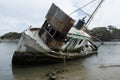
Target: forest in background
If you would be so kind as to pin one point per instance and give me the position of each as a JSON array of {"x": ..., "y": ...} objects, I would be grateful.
[
  {"x": 109, "y": 33},
  {"x": 11, "y": 36}
]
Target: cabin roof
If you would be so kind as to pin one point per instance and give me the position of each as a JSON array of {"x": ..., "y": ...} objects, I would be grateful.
[{"x": 78, "y": 34}]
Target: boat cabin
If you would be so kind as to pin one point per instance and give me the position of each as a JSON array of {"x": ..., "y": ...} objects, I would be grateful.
[
  {"x": 55, "y": 27},
  {"x": 58, "y": 32}
]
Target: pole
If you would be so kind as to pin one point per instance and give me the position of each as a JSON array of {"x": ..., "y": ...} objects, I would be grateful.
[{"x": 91, "y": 17}]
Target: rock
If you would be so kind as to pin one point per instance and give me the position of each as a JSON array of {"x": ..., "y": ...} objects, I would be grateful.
[
  {"x": 51, "y": 76},
  {"x": 60, "y": 71}
]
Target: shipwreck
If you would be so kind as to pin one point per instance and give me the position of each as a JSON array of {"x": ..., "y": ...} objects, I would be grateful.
[{"x": 57, "y": 40}]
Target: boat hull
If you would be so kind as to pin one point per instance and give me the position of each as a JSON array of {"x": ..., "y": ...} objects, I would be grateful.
[
  {"x": 30, "y": 58},
  {"x": 31, "y": 51}
]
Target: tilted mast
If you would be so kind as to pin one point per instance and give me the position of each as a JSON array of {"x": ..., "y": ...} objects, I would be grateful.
[
  {"x": 94, "y": 12},
  {"x": 81, "y": 23}
]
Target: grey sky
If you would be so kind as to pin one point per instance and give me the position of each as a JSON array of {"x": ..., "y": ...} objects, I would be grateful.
[{"x": 18, "y": 15}]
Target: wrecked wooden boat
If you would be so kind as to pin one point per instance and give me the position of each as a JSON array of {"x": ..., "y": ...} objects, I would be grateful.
[{"x": 57, "y": 40}]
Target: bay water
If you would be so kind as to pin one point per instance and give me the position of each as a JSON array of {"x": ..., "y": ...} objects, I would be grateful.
[{"x": 102, "y": 66}]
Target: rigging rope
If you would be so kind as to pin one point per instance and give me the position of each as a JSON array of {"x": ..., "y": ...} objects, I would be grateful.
[{"x": 82, "y": 7}]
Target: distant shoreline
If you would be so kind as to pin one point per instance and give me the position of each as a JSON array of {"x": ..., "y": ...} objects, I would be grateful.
[
  {"x": 9, "y": 40},
  {"x": 17, "y": 40}
]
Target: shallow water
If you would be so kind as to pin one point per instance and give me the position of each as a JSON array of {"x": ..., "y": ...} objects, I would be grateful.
[{"x": 103, "y": 66}]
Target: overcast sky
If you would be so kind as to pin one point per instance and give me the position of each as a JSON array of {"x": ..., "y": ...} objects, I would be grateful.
[{"x": 18, "y": 15}]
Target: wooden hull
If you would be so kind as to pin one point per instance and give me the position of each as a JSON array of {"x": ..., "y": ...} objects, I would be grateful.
[
  {"x": 33, "y": 57},
  {"x": 30, "y": 51},
  {"x": 30, "y": 58}
]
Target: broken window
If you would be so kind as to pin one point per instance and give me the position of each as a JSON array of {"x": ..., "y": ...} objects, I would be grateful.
[
  {"x": 52, "y": 32},
  {"x": 80, "y": 42}
]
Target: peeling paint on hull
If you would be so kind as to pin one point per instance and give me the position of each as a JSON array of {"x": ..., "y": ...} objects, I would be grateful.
[
  {"x": 30, "y": 58},
  {"x": 26, "y": 54}
]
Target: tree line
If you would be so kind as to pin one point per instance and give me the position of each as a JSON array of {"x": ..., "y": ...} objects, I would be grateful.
[
  {"x": 109, "y": 33},
  {"x": 11, "y": 35}
]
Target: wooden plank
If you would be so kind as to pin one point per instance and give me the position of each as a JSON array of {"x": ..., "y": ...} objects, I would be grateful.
[{"x": 59, "y": 20}]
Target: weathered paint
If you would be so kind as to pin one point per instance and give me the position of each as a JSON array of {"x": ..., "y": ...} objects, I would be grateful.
[{"x": 59, "y": 20}]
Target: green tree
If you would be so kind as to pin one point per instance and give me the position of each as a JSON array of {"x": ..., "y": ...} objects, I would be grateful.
[
  {"x": 11, "y": 35},
  {"x": 114, "y": 32},
  {"x": 101, "y": 33}
]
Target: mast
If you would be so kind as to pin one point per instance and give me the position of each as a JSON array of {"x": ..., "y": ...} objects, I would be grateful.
[{"x": 91, "y": 17}]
